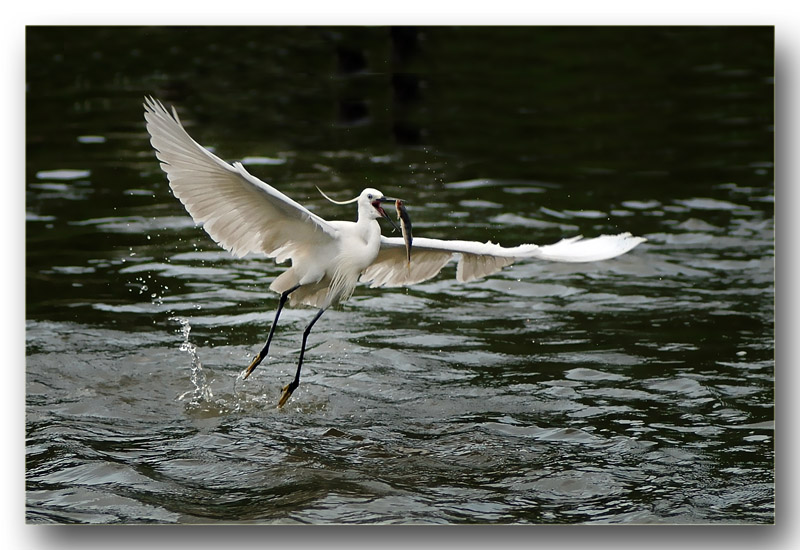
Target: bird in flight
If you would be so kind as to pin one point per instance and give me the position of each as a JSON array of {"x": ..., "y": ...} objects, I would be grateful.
[{"x": 328, "y": 258}]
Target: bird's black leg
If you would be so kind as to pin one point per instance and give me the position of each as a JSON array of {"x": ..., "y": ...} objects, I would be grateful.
[
  {"x": 289, "y": 388},
  {"x": 263, "y": 353}
]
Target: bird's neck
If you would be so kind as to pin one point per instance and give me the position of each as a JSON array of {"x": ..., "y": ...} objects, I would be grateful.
[{"x": 368, "y": 228}]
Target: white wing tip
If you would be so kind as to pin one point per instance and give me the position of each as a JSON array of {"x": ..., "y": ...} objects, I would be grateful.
[{"x": 604, "y": 247}]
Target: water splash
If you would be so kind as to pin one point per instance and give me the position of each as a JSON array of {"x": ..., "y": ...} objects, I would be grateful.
[{"x": 202, "y": 390}]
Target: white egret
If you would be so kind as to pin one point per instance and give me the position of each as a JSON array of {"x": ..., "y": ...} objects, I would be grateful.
[{"x": 328, "y": 258}]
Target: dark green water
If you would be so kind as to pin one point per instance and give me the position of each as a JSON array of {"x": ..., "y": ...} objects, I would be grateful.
[{"x": 637, "y": 390}]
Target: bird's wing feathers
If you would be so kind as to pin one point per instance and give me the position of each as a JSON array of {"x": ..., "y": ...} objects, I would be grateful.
[
  {"x": 238, "y": 210},
  {"x": 244, "y": 214},
  {"x": 429, "y": 256}
]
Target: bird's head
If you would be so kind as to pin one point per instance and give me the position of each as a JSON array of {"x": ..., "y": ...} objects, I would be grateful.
[
  {"x": 374, "y": 199},
  {"x": 370, "y": 203}
]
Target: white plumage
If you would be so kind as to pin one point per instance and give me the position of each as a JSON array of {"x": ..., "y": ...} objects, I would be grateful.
[
  {"x": 328, "y": 258},
  {"x": 476, "y": 260}
]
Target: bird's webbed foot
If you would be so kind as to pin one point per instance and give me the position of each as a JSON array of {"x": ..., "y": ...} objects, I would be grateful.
[
  {"x": 287, "y": 392},
  {"x": 253, "y": 364}
]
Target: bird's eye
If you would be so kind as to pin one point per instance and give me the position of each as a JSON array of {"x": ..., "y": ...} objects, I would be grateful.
[{"x": 369, "y": 196}]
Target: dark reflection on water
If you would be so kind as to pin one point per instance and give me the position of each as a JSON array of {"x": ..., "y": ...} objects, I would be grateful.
[{"x": 637, "y": 390}]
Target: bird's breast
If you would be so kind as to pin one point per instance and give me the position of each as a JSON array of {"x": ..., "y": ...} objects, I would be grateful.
[
  {"x": 365, "y": 244},
  {"x": 358, "y": 244}
]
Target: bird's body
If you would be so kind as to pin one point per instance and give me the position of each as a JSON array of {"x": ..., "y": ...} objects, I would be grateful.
[
  {"x": 328, "y": 258},
  {"x": 329, "y": 267}
]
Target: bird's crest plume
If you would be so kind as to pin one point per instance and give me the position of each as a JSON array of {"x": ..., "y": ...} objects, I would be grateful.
[{"x": 333, "y": 201}]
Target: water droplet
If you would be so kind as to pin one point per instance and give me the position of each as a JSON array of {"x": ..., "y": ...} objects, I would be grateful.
[{"x": 201, "y": 391}]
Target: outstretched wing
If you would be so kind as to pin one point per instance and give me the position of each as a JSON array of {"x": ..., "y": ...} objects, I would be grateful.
[
  {"x": 238, "y": 210},
  {"x": 476, "y": 260}
]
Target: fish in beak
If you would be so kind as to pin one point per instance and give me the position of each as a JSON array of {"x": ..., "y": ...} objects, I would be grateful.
[
  {"x": 376, "y": 204},
  {"x": 405, "y": 226}
]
